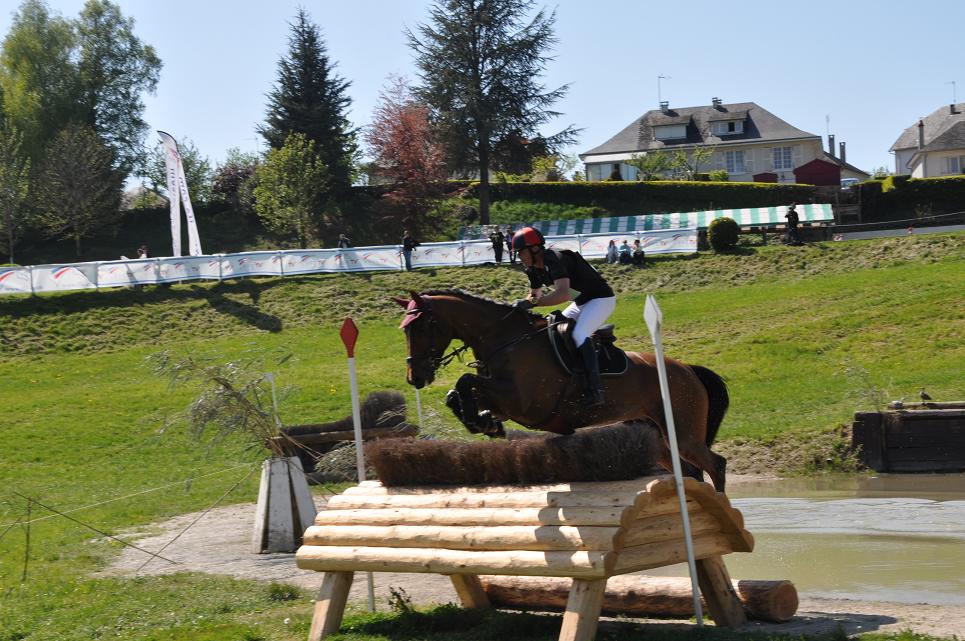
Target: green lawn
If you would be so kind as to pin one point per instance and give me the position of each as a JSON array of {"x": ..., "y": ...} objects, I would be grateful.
[{"x": 82, "y": 411}]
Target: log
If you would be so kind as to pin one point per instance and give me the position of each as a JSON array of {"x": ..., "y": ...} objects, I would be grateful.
[
  {"x": 640, "y": 596},
  {"x": 485, "y": 516}
]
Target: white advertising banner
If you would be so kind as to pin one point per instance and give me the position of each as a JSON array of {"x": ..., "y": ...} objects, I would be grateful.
[
  {"x": 447, "y": 254},
  {"x": 189, "y": 268},
  {"x": 14, "y": 280},
  {"x": 251, "y": 264},
  {"x": 667, "y": 241},
  {"x": 597, "y": 246},
  {"x": 194, "y": 240},
  {"x": 311, "y": 261},
  {"x": 62, "y": 278},
  {"x": 477, "y": 252},
  {"x": 118, "y": 273},
  {"x": 365, "y": 259},
  {"x": 171, "y": 160}
]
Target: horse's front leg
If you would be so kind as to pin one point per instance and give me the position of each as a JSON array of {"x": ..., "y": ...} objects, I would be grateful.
[{"x": 463, "y": 402}]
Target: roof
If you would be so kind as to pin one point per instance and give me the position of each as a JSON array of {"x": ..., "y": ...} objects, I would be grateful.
[
  {"x": 937, "y": 124},
  {"x": 760, "y": 125},
  {"x": 826, "y": 156}
]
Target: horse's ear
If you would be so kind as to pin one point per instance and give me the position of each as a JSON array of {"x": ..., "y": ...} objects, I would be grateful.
[
  {"x": 416, "y": 297},
  {"x": 401, "y": 302}
]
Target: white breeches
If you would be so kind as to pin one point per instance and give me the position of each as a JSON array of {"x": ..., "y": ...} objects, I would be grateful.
[{"x": 589, "y": 316}]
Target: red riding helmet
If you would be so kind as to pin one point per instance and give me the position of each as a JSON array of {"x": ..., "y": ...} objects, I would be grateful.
[{"x": 527, "y": 237}]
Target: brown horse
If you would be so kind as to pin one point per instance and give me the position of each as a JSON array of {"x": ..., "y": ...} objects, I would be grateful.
[{"x": 520, "y": 379}]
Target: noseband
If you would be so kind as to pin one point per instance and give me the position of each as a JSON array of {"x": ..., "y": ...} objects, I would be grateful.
[{"x": 434, "y": 360}]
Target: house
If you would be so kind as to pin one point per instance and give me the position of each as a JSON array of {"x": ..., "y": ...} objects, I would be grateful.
[
  {"x": 934, "y": 146},
  {"x": 749, "y": 141}
]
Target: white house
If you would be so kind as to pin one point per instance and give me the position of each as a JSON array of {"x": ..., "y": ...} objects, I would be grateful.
[
  {"x": 934, "y": 146},
  {"x": 750, "y": 141}
]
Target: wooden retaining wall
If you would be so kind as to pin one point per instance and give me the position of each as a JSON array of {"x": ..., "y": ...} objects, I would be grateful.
[{"x": 912, "y": 440}]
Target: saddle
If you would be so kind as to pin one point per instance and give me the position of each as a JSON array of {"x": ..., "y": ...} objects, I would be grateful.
[{"x": 613, "y": 360}]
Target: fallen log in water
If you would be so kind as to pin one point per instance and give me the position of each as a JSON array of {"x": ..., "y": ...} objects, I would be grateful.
[{"x": 640, "y": 596}]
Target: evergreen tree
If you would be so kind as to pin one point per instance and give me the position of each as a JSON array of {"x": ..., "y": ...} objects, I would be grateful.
[
  {"x": 310, "y": 99},
  {"x": 479, "y": 63}
]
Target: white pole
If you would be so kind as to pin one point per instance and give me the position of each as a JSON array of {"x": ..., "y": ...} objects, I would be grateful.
[
  {"x": 654, "y": 318},
  {"x": 418, "y": 408}
]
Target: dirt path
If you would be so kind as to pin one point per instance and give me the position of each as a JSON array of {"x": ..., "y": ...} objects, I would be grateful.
[{"x": 220, "y": 542}]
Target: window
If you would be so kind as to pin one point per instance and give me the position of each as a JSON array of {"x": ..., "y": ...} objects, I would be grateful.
[
  {"x": 725, "y": 127},
  {"x": 783, "y": 158},
  {"x": 670, "y": 131},
  {"x": 734, "y": 161},
  {"x": 955, "y": 164}
]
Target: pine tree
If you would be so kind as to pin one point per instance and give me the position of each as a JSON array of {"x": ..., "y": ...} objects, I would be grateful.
[
  {"x": 479, "y": 63},
  {"x": 309, "y": 98}
]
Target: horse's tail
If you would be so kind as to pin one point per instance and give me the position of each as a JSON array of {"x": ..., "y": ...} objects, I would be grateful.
[{"x": 718, "y": 397}]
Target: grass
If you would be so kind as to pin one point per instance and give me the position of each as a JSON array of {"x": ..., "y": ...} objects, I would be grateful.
[{"x": 805, "y": 336}]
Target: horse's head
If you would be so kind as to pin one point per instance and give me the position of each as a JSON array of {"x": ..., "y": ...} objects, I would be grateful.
[{"x": 427, "y": 337}]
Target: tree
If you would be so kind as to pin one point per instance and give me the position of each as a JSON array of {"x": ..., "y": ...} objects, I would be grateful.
[
  {"x": 289, "y": 183},
  {"x": 233, "y": 182},
  {"x": 14, "y": 185},
  {"x": 691, "y": 163},
  {"x": 652, "y": 165},
  {"x": 114, "y": 69},
  {"x": 37, "y": 75},
  {"x": 79, "y": 190},
  {"x": 401, "y": 143},
  {"x": 197, "y": 172},
  {"x": 310, "y": 99},
  {"x": 479, "y": 63}
]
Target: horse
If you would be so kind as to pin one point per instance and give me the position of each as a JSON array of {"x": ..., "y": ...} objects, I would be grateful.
[{"x": 519, "y": 378}]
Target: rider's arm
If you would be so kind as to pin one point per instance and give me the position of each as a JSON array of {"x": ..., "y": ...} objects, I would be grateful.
[{"x": 559, "y": 294}]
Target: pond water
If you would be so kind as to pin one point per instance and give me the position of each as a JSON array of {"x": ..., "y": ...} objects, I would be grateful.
[{"x": 892, "y": 537}]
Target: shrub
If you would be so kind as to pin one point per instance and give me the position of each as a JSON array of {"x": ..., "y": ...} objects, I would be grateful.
[
  {"x": 722, "y": 233},
  {"x": 719, "y": 176}
]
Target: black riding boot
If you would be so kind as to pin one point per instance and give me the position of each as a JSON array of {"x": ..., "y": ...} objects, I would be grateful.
[{"x": 591, "y": 369}]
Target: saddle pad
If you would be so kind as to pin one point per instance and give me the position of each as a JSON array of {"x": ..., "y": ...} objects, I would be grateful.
[{"x": 613, "y": 360}]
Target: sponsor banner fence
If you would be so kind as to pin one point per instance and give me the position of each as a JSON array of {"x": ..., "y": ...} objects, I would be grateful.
[{"x": 152, "y": 271}]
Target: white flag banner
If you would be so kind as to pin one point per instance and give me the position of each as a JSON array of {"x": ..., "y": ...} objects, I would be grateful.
[{"x": 178, "y": 192}]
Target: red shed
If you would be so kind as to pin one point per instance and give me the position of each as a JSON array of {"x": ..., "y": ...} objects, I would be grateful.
[
  {"x": 765, "y": 177},
  {"x": 818, "y": 172}
]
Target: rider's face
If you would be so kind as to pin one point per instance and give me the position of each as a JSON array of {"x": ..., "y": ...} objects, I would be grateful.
[{"x": 528, "y": 256}]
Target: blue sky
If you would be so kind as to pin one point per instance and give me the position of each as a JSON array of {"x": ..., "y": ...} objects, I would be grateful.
[{"x": 873, "y": 67}]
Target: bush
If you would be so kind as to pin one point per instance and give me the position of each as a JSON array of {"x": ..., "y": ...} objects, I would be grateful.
[
  {"x": 722, "y": 233},
  {"x": 719, "y": 176}
]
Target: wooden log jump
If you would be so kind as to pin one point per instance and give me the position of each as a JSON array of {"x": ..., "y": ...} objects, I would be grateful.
[
  {"x": 586, "y": 531},
  {"x": 640, "y": 596}
]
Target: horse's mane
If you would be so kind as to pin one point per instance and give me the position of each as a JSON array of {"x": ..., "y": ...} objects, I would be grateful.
[{"x": 464, "y": 295}]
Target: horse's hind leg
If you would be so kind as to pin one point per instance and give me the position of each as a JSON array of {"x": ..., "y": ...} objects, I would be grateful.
[{"x": 714, "y": 464}]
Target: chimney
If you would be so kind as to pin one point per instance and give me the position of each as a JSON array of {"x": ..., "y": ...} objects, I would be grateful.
[
  {"x": 831, "y": 145},
  {"x": 842, "y": 155},
  {"x": 717, "y": 103},
  {"x": 664, "y": 106},
  {"x": 921, "y": 134},
  {"x": 952, "y": 110}
]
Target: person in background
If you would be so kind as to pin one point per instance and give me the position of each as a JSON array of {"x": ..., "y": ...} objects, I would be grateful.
[
  {"x": 408, "y": 244},
  {"x": 792, "y": 221},
  {"x": 498, "y": 241},
  {"x": 343, "y": 241},
  {"x": 612, "y": 255},
  {"x": 626, "y": 256},
  {"x": 509, "y": 245},
  {"x": 639, "y": 257},
  {"x": 142, "y": 251}
]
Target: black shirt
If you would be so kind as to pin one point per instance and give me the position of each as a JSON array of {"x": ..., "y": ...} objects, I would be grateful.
[
  {"x": 792, "y": 218},
  {"x": 569, "y": 264}
]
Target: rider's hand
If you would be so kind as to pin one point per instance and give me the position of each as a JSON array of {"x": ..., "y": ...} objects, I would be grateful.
[{"x": 523, "y": 304}]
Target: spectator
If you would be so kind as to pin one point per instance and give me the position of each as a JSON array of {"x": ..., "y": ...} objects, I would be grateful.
[
  {"x": 639, "y": 258},
  {"x": 611, "y": 252},
  {"x": 498, "y": 240},
  {"x": 142, "y": 251},
  {"x": 509, "y": 245},
  {"x": 408, "y": 244},
  {"x": 792, "y": 221},
  {"x": 626, "y": 255},
  {"x": 343, "y": 241}
]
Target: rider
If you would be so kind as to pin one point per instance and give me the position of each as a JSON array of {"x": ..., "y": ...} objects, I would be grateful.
[{"x": 572, "y": 278}]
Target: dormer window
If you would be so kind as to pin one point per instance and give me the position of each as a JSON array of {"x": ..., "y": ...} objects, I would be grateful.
[
  {"x": 668, "y": 132},
  {"x": 727, "y": 127}
]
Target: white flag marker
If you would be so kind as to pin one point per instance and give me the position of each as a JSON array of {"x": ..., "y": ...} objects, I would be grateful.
[{"x": 654, "y": 318}]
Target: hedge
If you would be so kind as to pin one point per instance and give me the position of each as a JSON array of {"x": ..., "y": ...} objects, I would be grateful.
[
  {"x": 901, "y": 197},
  {"x": 628, "y": 198}
]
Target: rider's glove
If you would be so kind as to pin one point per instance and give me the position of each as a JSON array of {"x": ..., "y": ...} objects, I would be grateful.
[{"x": 523, "y": 304}]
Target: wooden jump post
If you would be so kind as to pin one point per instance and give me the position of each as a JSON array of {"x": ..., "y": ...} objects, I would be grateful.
[{"x": 588, "y": 532}]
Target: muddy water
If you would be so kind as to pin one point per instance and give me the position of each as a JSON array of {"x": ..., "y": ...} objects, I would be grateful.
[{"x": 891, "y": 537}]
